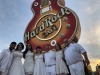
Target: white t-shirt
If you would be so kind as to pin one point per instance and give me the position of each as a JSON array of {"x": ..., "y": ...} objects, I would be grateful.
[
  {"x": 50, "y": 58},
  {"x": 73, "y": 53}
]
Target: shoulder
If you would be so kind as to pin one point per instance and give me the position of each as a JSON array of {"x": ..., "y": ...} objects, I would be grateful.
[
  {"x": 35, "y": 54},
  {"x": 13, "y": 51},
  {"x": 74, "y": 44},
  {"x": 33, "y": 51},
  {"x": 78, "y": 45},
  {"x": 52, "y": 51},
  {"x": 63, "y": 48},
  {"x": 43, "y": 54},
  {"x": 5, "y": 50}
]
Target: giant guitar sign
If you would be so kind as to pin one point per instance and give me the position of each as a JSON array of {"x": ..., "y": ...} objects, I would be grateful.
[{"x": 51, "y": 24}]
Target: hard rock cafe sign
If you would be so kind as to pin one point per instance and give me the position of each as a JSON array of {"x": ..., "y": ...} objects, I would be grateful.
[{"x": 51, "y": 24}]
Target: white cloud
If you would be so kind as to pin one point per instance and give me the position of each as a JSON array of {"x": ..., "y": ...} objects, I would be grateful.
[
  {"x": 92, "y": 8},
  {"x": 89, "y": 10}
]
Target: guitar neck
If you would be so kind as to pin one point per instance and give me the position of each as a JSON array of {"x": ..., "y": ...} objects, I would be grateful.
[{"x": 44, "y": 3}]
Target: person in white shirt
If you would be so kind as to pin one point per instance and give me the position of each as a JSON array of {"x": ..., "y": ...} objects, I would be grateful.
[
  {"x": 50, "y": 61},
  {"x": 6, "y": 57},
  {"x": 74, "y": 58}
]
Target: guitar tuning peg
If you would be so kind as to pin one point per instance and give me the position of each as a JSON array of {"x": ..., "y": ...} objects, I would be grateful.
[
  {"x": 67, "y": 26},
  {"x": 65, "y": 19},
  {"x": 62, "y": 35},
  {"x": 53, "y": 42},
  {"x": 36, "y": 4}
]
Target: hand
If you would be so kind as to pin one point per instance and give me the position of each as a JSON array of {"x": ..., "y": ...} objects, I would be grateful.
[{"x": 87, "y": 62}]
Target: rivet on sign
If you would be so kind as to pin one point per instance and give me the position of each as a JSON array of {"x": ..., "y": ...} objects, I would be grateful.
[
  {"x": 62, "y": 35},
  {"x": 67, "y": 26},
  {"x": 65, "y": 19},
  {"x": 36, "y": 4},
  {"x": 53, "y": 42}
]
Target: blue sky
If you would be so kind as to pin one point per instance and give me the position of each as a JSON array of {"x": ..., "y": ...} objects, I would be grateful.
[{"x": 16, "y": 14}]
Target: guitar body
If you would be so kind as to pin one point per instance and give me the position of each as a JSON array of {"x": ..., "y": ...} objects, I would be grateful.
[{"x": 51, "y": 24}]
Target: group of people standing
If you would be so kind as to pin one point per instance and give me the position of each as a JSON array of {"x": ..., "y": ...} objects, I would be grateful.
[{"x": 48, "y": 63}]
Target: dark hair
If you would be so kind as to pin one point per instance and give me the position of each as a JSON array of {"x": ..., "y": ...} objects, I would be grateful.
[
  {"x": 26, "y": 50},
  {"x": 38, "y": 48},
  {"x": 59, "y": 46},
  {"x": 13, "y": 43},
  {"x": 18, "y": 45}
]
